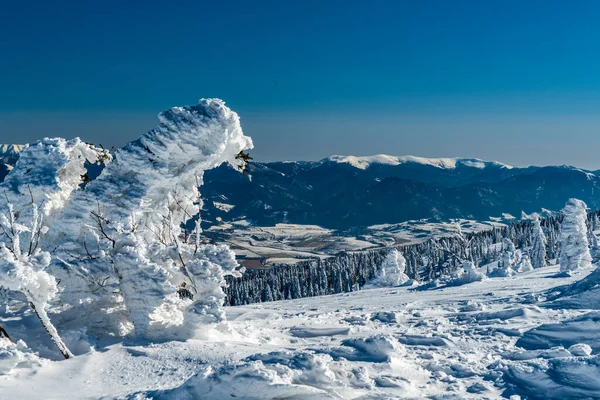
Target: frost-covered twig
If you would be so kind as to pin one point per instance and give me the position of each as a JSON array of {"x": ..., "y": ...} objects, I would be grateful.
[{"x": 101, "y": 221}]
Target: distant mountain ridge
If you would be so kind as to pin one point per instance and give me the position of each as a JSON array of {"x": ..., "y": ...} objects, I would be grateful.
[
  {"x": 364, "y": 162},
  {"x": 346, "y": 191},
  {"x": 343, "y": 192}
]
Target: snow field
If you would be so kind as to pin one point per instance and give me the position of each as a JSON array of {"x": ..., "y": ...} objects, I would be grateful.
[{"x": 471, "y": 341}]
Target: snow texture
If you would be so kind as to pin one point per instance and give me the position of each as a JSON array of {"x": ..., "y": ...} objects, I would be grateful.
[{"x": 381, "y": 343}]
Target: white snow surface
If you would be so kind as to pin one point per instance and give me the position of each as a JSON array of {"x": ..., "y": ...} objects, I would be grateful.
[
  {"x": 364, "y": 162},
  {"x": 488, "y": 339}
]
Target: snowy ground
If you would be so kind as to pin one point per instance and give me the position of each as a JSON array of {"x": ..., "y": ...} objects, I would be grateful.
[{"x": 454, "y": 342}]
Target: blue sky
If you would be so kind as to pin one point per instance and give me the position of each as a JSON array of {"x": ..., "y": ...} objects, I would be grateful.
[{"x": 515, "y": 81}]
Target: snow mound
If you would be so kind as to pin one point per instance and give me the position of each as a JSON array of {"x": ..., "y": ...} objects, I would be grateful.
[
  {"x": 386, "y": 317},
  {"x": 581, "y": 330},
  {"x": 15, "y": 354},
  {"x": 377, "y": 349},
  {"x": 10, "y": 356},
  {"x": 416, "y": 340},
  {"x": 278, "y": 375},
  {"x": 582, "y": 294},
  {"x": 558, "y": 378},
  {"x": 519, "y": 312},
  {"x": 467, "y": 274}
]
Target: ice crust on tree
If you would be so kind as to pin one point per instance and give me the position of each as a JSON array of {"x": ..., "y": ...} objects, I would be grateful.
[
  {"x": 574, "y": 246},
  {"x": 122, "y": 247}
]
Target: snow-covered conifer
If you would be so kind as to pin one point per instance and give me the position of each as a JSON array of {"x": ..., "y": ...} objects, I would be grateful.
[
  {"x": 537, "y": 253},
  {"x": 574, "y": 246},
  {"x": 509, "y": 259},
  {"x": 391, "y": 272}
]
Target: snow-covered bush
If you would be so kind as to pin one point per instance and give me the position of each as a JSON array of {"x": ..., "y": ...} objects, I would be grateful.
[
  {"x": 524, "y": 264},
  {"x": 34, "y": 191},
  {"x": 467, "y": 274},
  {"x": 391, "y": 271},
  {"x": 510, "y": 258},
  {"x": 574, "y": 247},
  {"x": 23, "y": 267}
]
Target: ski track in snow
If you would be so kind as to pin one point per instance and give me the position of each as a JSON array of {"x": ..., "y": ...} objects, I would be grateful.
[{"x": 454, "y": 342}]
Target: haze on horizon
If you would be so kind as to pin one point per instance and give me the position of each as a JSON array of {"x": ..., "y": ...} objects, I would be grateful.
[{"x": 509, "y": 81}]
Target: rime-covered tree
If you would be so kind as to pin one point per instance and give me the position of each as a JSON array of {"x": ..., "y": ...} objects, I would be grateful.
[
  {"x": 574, "y": 246},
  {"x": 537, "y": 252},
  {"x": 34, "y": 192},
  {"x": 524, "y": 264},
  {"x": 509, "y": 259},
  {"x": 391, "y": 272},
  {"x": 23, "y": 266}
]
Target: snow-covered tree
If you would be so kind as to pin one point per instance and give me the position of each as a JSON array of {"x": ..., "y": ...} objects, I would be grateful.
[
  {"x": 467, "y": 274},
  {"x": 391, "y": 271},
  {"x": 23, "y": 266},
  {"x": 574, "y": 247},
  {"x": 129, "y": 228},
  {"x": 509, "y": 259},
  {"x": 537, "y": 252},
  {"x": 34, "y": 192},
  {"x": 524, "y": 264},
  {"x": 120, "y": 244}
]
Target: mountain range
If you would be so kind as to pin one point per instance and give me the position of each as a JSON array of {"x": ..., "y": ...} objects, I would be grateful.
[{"x": 342, "y": 192}]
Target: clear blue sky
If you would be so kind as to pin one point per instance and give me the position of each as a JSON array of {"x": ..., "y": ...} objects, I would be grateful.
[{"x": 517, "y": 81}]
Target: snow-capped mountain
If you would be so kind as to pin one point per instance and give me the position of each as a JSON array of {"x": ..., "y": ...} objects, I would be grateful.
[
  {"x": 364, "y": 162},
  {"x": 342, "y": 192},
  {"x": 348, "y": 191}
]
